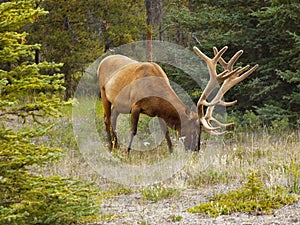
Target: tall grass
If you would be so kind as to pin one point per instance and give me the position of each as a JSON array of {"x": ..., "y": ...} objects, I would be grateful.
[{"x": 275, "y": 157}]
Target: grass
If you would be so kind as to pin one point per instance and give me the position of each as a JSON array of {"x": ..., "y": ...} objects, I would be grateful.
[
  {"x": 158, "y": 192},
  {"x": 176, "y": 218},
  {"x": 274, "y": 158}
]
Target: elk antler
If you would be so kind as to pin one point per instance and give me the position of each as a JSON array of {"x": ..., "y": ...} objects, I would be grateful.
[
  {"x": 213, "y": 81},
  {"x": 237, "y": 75},
  {"x": 229, "y": 77}
]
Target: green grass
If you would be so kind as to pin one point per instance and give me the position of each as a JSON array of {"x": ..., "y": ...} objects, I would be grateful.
[{"x": 176, "y": 218}]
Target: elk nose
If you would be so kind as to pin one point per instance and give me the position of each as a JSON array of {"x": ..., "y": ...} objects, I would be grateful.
[{"x": 191, "y": 145}]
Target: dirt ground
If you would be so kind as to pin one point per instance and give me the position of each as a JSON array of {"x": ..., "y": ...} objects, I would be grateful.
[{"x": 133, "y": 209}]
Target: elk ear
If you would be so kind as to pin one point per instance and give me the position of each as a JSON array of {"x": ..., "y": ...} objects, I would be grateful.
[{"x": 193, "y": 116}]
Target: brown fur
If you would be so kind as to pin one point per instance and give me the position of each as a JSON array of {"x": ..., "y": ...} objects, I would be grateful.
[{"x": 141, "y": 87}]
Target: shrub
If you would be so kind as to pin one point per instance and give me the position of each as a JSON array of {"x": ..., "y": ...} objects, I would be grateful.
[
  {"x": 158, "y": 192},
  {"x": 252, "y": 197}
]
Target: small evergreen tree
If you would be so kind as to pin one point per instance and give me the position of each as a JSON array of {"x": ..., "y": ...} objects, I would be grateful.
[{"x": 29, "y": 96}]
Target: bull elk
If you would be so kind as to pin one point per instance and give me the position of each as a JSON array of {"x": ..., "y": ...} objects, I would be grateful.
[{"x": 133, "y": 87}]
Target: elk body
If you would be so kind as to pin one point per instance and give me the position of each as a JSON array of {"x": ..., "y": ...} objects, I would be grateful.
[
  {"x": 133, "y": 87},
  {"x": 142, "y": 87}
]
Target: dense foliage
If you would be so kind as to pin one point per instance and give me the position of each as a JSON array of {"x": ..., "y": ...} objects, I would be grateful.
[{"x": 30, "y": 95}]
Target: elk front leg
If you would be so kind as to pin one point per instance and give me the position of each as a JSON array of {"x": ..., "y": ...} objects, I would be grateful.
[
  {"x": 165, "y": 129},
  {"x": 135, "y": 115},
  {"x": 107, "y": 118},
  {"x": 114, "y": 117}
]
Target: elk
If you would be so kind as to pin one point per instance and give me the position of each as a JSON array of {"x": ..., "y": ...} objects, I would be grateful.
[{"x": 134, "y": 87}]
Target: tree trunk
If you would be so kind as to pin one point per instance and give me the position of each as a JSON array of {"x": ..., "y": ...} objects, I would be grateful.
[
  {"x": 149, "y": 44},
  {"x": 154, "y": 14}
]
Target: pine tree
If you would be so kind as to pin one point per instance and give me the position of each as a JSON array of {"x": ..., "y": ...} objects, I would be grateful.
[
  {"x": 280, "y": 60},
  {"x": 29, "y": 98}
]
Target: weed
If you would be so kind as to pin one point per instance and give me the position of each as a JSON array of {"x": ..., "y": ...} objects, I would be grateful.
[
  {"x": 108, "y": 217},
  {"x": 293, "y": 172},
  {"x": 143, "y": 223},
  {"x": 210, "y": 177},
  {"x": 176, "y": 218},
  {"x": 117, "y": 189}
]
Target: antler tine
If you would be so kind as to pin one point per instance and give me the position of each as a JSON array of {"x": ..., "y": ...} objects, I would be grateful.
[
  {"x": 232, "y": 61},
  {"x": 216, "y": 58},
  {"x": 226, "y": 74},
  {"x": 219, "y": 54},
  {"x": 233, "y": 80},
  {"x": 245, "y": 75},
  {"x": 222, "y": 61},
  {"x": 209, "y": 118},
  {"x": 224, "y": 125}
]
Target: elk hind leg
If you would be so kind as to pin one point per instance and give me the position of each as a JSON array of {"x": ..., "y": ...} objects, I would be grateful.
[
  {"x": 107, "y": 118},
  {"x": 199, "y": 139}
]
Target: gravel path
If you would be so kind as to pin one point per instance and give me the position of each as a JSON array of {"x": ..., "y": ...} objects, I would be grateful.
[{"x": 133, "y": 209}]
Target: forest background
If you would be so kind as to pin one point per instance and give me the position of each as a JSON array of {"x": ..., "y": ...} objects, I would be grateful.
[{"x": 76, "y": 33}]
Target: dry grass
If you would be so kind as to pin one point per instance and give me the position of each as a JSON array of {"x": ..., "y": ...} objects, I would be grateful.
[{"x": 275, "y": 157}]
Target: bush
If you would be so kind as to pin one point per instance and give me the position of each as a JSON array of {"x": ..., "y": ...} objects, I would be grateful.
[{"x": 252, "y": 197}]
